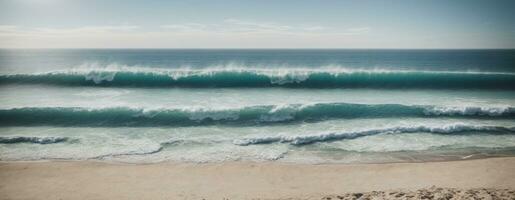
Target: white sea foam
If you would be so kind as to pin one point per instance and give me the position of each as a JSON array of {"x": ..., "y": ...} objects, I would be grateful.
[
  {"x": 99, "y": 73},
  {"x": 469, "y": 110},
  {"x": 99, "y": 77},
  {"x": 307, "y": 139},
  {"x": 33, "y": 140},
  {"x": 203, "y": 114}
]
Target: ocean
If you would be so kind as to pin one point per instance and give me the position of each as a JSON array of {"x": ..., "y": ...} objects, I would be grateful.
[{"x": 258, "y": 105}]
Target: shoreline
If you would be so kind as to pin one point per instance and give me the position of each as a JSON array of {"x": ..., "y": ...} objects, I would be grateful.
[
  {"x": 242, "y": 180},
  {"x": 268, "y": 162}
]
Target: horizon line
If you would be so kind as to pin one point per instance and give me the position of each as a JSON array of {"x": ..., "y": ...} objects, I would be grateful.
[{"x": 235, "y": 48}]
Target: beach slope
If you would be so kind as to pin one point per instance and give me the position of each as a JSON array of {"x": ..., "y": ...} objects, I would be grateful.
[{"x": 240, "y": 180}]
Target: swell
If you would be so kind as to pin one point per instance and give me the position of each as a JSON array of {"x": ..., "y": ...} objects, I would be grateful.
[
  {"x": 33, "y": 140},
  {"x": 294, "y": 78},
  {"x": 328, "y": 137},
  {"x": 124, "y": 116}
]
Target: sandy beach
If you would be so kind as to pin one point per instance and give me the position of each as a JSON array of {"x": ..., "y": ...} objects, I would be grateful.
[
  {"x": 238, "y": 180},
  {"x": 258, "y": 100}
]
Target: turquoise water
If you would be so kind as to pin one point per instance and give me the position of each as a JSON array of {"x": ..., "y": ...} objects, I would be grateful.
[{"x": 305, "y": 106}]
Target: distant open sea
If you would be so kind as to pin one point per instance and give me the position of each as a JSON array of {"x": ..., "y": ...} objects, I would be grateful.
[{"x": 300, "y": 106}]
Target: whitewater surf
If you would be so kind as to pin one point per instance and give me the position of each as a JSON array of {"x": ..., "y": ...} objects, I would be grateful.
[{"x": 300, "y": 106}]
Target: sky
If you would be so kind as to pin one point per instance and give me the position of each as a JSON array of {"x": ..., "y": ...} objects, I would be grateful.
[{"x": 416, "y": 24}]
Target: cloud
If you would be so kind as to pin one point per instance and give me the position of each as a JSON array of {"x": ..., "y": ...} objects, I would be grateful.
[
  {"x": 315, "y": 28},
  {"x": 358, "y": 31},
  {"x": 225, "y": 33},
  {"x": 85, "y": 30},
  {"x": 186, "y": 27},
  {"x": 235, "y": 26},
  {"x": 249, "y": 26},
  {"x": 9, "y": 30}
]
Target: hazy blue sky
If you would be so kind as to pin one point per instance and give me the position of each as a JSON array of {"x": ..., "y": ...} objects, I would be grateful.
[{"x": 257, "y": 24}]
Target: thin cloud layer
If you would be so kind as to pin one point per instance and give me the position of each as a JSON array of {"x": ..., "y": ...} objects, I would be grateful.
[
  {"x": 256, "y": 24},
  {"x": 242, "y": 26},
  {"x": 234, "y": 32}
]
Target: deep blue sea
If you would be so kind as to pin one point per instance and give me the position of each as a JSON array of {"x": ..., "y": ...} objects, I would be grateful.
[{"x": 216, "y": 105}]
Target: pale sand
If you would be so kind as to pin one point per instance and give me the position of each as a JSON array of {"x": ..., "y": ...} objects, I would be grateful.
[{"x": 97, "y": 180}]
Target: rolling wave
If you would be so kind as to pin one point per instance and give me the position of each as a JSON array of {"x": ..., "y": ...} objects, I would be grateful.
[
  {"x": 124, "y": 116},
  {"x": 327, "y": 137},
  {"x": 285, "y": 77},
  {"x": 33, "y": 140}
]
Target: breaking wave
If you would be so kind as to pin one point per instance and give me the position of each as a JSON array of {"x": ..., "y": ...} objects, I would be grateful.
[
  {"x": 327, "y": 137},
  {"x": 33, "y": 140},
  {"x": 125, "y": 116},
  {"x": 264, "y": 77}
]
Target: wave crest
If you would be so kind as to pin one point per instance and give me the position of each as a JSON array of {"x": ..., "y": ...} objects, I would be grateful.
[
  {"x": 469, "y": 111},
  {"x": 265, "y": 77},
  {"x": 33, "y": 140},
  {"x": 327, "y": 137},
  {"x": 124, "y": 116}
]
